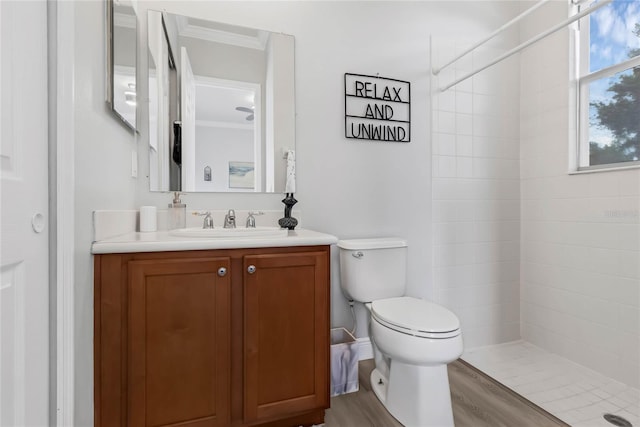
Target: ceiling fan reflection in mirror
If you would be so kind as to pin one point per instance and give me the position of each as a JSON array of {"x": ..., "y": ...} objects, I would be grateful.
[{"x": 247, "y": 110}]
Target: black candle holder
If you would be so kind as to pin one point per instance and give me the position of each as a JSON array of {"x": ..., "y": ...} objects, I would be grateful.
[{"x": 288, "y": 221}]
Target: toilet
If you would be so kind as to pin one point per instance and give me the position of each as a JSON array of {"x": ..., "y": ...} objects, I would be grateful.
[{"x": 413, "y": 339}]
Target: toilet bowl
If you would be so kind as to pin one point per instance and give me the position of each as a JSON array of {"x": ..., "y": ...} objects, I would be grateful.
[
  {"x": 416, "y": 331},
  {"x": 413, "y": 339},
  {"x": 417, "y": 386}
]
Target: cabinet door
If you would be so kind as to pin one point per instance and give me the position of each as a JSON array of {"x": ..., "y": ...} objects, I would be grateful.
[
  {"x": 286, "y": 330},
  {"x": 178, "y": 352}
]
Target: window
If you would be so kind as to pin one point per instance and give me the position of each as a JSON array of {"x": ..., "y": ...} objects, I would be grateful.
[{"x": 609, "y": 86}]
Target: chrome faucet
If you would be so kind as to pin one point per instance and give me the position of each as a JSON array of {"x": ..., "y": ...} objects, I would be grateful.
[
  {"x": 208, "y": 220},
  {"x": 230, "y": 219},
  {"x": 251, "y": 220}
]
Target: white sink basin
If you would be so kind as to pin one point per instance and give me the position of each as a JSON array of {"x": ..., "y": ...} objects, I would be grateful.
[{"x": 231, "y": 233}]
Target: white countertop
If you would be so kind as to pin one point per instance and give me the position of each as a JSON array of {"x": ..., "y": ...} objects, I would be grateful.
[{"x": 161, "y": 241}]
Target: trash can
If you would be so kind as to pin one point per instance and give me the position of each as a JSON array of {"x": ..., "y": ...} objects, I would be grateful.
[{"x": 344, "y": 362}]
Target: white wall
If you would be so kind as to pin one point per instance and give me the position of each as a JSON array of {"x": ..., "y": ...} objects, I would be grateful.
[
  {"x": 216, "y": 147},
  {"x": 580, "y": 267},
  {"x": 346, "y": 188},
  {"x": 103, "y": 180},
  {"x": 476, "y": 191}
]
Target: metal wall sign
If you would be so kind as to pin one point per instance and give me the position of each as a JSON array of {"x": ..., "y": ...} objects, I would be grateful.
[{"x": 377, "y": 108}]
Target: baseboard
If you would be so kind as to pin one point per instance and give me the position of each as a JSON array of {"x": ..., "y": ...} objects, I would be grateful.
[{"x": 365, "y": 349}]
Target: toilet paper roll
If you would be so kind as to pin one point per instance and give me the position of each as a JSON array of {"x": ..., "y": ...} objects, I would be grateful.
[{"x": 148, "y": 218}]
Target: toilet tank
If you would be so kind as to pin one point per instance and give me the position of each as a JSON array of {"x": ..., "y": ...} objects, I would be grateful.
[{"x": 372, "y": 269}]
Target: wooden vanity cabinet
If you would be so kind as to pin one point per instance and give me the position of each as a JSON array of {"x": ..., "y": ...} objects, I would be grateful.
[
  {"x": 285, "y": 334},
  {"x": 212, "y": 338},
  {"x": 178, "y": 342}
]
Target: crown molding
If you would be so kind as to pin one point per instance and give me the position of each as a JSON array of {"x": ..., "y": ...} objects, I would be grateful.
[{"x": 198, "y": 32}]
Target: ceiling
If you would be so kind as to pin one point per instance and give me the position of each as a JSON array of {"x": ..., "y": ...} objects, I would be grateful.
[{"x": 217, "y": 105}]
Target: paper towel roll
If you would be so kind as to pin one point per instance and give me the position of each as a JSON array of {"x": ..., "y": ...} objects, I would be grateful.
[{"x": 148, "y": 218}]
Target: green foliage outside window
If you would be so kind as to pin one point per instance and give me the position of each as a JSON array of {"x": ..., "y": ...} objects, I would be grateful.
[{"x": 621, "y": 116}]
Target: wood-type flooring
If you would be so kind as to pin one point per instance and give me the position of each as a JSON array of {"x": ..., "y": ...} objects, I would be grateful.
[{"x": 477, "y": 400}]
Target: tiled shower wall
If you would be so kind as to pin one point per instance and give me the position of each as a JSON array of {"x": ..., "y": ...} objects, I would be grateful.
[
  {"x": 580, "y": 267},
  {"x": 476, "y": 195}
]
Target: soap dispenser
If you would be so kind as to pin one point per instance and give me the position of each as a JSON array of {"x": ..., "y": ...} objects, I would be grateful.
[{"x": 177, "y": 213}]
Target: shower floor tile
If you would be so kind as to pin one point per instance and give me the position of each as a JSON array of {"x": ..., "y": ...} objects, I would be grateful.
[{"x": 573, "y": 393}]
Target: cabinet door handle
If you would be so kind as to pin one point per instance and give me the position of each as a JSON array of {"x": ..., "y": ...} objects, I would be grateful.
[
  {"x": 222, "y": 272},
  {"x": 251, "y": 269}
]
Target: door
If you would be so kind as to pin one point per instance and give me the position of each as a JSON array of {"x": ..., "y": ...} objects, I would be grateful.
[
  {"x": 286, "y": 341},
  {"x": 24, "y": 270},
  {"x": 179, "y": 342},
  {"x": 188, "y": 118}
]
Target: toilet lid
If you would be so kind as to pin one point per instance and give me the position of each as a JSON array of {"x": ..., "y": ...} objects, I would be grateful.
[{"x": 416, "y": 317}]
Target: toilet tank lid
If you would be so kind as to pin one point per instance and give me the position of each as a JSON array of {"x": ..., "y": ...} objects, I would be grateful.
[{"x": 376, "y": 243}]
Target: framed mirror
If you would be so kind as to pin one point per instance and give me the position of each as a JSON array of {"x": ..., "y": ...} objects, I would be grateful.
[
  {"x": 221, "y": 106},
  {"x": 121, "y": 60}
]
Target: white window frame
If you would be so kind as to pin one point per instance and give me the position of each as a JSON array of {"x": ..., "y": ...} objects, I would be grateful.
[{"x": 583, "y": 78}]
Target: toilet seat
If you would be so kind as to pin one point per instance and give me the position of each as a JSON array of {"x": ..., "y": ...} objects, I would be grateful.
[{"x": 417, "y": 317}]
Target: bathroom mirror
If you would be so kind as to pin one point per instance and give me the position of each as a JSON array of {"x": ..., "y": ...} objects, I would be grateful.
[
  {"x": 121, "y": 60},
  {"x": 221, "y": 106}
]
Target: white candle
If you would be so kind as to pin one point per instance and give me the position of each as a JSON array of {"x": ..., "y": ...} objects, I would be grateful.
[{"x": 290, "y": 186}]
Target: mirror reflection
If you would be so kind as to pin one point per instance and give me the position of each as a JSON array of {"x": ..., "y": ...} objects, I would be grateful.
[
  {"x": 221, "y": 112},
  {"x": 122, "y": 55}
]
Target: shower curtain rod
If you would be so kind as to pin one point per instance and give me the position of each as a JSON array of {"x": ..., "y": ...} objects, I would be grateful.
[
  {"x": 437, "y": 70},
  {"x": 529, "y": 42}
]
